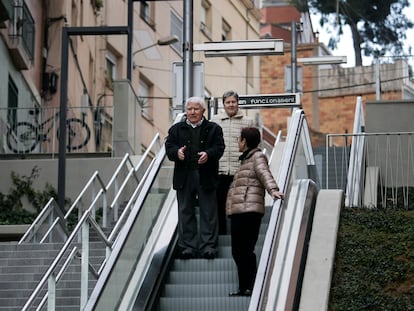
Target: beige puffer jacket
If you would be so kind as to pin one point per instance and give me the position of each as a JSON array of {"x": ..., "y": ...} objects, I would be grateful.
[
  {"x": 246, "y": 193},
  {"x": 229, "y": 162}
]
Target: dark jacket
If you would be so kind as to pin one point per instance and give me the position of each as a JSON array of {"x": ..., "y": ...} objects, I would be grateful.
[
  {"x": 246, "y": 193},
  {"x": 211, "y": 141}
]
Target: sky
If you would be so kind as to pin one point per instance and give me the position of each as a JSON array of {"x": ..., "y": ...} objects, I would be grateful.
[{"x": 345, "y": 46}]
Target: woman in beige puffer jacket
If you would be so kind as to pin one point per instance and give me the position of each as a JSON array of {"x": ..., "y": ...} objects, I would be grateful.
[{"x": 245, "y": 206}]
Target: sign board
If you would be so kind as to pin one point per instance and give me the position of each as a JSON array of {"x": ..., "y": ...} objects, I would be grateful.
[
  {"x": 287, "y": 100},
  {"x": 198, "y": 85}
]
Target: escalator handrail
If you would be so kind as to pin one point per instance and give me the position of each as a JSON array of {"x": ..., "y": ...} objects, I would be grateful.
[{"x": 273, "y": 231}]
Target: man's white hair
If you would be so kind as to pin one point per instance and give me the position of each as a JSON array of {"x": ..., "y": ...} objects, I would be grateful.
[{"x": 197, "y": 100}]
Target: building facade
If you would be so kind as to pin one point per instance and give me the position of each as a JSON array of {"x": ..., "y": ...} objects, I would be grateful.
[
  {"x": 328, "y": 92},
  {"x": 31, "y": 81}
]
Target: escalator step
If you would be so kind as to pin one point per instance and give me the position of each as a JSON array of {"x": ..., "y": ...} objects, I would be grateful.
[
  {"x": 203, "y": 277},
  {"x": 196, "y": 265},
  {"x": 205, "y": 304},
  {"x": 198, "y": 290}
]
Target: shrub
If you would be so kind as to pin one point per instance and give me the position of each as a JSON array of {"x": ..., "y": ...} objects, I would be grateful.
[{"x": 12, "y": 210}]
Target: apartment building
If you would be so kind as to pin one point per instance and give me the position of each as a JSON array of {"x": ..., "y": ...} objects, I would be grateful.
[{"x": 31, "y": 49}]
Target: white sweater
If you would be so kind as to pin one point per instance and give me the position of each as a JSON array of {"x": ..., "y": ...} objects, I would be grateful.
[{"x": 229, "y": 162}]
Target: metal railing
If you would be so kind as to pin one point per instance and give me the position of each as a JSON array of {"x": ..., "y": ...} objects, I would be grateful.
[
  {"x": 123, "y": 187},
  {"x": 36, "y": 130},
  {"x": 384, "y": 175}
]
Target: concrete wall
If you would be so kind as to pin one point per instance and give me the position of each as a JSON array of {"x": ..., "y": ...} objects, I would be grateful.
[
  {"x": 389, "y": 116},
  {"x": 78, "y": 172},
  {"x": 392, "y": 154}
]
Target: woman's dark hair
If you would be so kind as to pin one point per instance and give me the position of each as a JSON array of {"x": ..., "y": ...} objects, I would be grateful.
[
  {"x": 230, "y": 93},
  {"x": 251, "y": 135}
]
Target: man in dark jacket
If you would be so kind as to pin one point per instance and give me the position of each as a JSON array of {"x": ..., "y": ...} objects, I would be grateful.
[{"x": 196, "y": 145}]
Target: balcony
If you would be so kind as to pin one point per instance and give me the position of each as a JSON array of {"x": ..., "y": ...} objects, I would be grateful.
[{"x": 21, "y": 36}]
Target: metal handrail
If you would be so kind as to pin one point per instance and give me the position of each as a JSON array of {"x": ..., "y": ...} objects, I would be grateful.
[
  {"x": 37, "y": 220},
  {"x": 45, "y": 214},
  {"x": 58, "y": 276},
  {"x": 124, "y": 214},
  {"x": 94, "y": 176},
  {"x": 120, "y": 239},
  {"x": 135, "y": 169},
  {"x": 55, "y": 262},
  {"x": 87, "y": 216},
  {"x": 92, "y": 179}
]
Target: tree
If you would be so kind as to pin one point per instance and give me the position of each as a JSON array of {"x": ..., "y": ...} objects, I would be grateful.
[{"x": 377, "y": 26}]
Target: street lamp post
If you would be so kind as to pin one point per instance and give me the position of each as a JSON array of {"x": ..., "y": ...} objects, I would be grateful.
[{"x": 163, "y": 41}]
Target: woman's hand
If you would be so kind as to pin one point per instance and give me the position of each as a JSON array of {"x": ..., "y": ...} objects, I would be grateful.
[{"x": 276, "y": 194}]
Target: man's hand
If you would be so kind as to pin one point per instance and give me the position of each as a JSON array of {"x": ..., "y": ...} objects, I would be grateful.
[
  {"x": 202, "y": 157},
  {"x": 180, "y": 153}
]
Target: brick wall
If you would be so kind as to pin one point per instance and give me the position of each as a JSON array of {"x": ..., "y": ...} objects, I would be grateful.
[{"x": 332, "y": 109}]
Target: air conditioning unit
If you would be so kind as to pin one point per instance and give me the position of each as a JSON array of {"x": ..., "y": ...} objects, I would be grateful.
[{"x": 205, "y": 29}]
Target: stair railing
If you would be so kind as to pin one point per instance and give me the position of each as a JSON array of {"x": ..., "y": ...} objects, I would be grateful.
[
  {"x": 82, "y": 232},
  {"x": 51, "y": 215},
  {"x": 49, "y": 276}
]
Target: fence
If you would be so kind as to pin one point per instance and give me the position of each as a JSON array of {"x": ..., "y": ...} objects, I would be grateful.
[
  {"x": 36, "y": 130},
  {"x": 378, "y": 173}
]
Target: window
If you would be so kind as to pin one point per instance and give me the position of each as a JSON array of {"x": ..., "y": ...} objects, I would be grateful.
[
  {"x": 225, "y": 31},
  {"x": 147, "y": 12},
  {"x": 110, "y": 69},
  {"x": 23, "y": 27},
  {"x": 145, "y": 89},
  {"x": 177, "y": 29},
  {"x": 12, "y": 102},
  {"x": 205, "y": 18}
]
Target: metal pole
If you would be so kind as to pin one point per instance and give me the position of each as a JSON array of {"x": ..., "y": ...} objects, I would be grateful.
[
  {"x": 130, "y": 38},
  {"x": 66, "y": 33},
  {"x": 293, "y": 57},
  {"x": 378, "y": 79},
  {"x": 62, "y": 119},
  {"x": 188, "y": 51}
]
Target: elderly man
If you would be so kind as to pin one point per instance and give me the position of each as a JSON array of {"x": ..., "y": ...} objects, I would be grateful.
[
  {"x": 196, "y": 145},
  {"x": 232, "y": 120}
]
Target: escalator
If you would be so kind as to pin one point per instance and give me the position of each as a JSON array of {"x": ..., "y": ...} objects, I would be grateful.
[{"x": 143, "y": 274}]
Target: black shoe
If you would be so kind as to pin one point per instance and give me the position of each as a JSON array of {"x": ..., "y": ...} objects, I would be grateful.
[
  {"x": 186, "y": 254},
  {"x": 241, "y": 293},
  {"x": 209, "y": 255}
]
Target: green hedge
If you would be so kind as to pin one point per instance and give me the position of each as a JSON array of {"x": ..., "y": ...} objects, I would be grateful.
[{"x": 374, "y": 263}]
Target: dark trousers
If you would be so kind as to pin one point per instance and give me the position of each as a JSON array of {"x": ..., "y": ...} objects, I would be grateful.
[
  {"x": 189, "y": 237},
  {"x": 224, "y": 182},
  {"x": 244, "y": 233}
]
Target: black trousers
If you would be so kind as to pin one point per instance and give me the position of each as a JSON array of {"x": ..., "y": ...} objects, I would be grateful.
[
  {"x": 244, "y": 233},
  {"x": 192, "y": 236},
  {"x": 224, "y": 182}
]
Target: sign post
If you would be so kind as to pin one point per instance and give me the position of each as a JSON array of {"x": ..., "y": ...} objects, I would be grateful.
[{"x": 286, "y": 100}]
